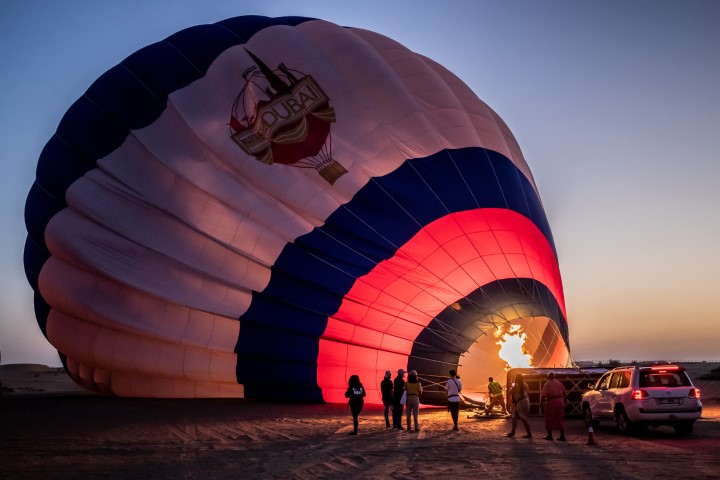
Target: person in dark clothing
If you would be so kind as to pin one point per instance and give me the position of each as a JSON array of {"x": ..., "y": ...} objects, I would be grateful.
[
  {"x": 355, "y": 394},
  {"x": 399, "y": 388},
  {"x": 386, "y": 389}
]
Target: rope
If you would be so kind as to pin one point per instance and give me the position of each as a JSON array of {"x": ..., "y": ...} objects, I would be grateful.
[{"x": 442, "y": 383}]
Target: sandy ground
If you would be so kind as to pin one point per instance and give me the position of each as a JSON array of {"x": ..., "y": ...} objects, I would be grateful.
[{"x": 59, "y": 432}]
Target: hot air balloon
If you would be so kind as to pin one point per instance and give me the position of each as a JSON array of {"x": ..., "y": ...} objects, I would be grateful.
[{"x": 176, "y": 250}]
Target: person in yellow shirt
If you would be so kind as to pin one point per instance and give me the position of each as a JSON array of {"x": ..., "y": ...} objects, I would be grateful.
[{"x": 412, "y": 404}]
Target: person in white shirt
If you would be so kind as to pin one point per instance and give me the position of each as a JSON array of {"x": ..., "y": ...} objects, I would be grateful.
[{"x": 453, "y": 389}]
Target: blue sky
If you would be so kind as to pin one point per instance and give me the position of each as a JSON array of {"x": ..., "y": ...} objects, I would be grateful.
[{"x": 615, "y": 104}]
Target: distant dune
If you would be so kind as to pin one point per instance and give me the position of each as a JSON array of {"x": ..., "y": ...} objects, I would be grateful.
[{"x": 20, "y": 379}]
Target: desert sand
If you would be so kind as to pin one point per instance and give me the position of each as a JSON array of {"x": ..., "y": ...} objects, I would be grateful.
[{"x": 51, "y": 429}]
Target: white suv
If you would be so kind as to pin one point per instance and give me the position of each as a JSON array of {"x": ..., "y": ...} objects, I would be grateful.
[{"x": 637, "y": 397}]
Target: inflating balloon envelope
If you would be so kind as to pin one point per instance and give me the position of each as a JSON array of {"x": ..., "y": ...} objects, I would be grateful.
[{"x": 176, "y": 250}]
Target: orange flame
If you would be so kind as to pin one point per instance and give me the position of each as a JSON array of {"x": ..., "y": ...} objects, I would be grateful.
[{"x": 512, "y": 347}]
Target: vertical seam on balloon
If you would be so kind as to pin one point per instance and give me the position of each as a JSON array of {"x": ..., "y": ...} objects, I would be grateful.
[
  {"x": 412, "y": 166},
  {"x": 242, "y": 40},
  {"x": 497, "y": 180},
  {"x": 128, "y": 70},
  {"x": 457, "y": 168},
  {"x": 396, "y": 203},
  {"x": 351, "y": 249},
  {"x": 347, "y": 209},
  {"x": 199, "y": 71}
]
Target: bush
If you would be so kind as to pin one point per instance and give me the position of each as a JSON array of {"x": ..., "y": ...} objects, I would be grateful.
[
  {"x": 713, "y": 375},
  {"x": 609, "y": 364}
]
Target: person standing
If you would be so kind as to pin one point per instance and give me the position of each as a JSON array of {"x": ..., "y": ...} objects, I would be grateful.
[
  {"x": 355, "y": 394},
  {"x": 453, "y": 387},
  {"x": 398, "y": 389},
  {"x": 386, "y": 391},
  {"x": 521, "y": 401},
  {"x": 554, "y": 396},
  {"x": 496, "y": 397},
  {"x": 414, "y": 389}
]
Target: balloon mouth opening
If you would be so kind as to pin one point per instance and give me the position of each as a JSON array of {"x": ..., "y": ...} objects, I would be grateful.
[{"x": 507, "y": 346}]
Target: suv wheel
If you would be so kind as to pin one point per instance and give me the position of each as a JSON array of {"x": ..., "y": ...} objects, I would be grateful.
[
  {"x": 683, "y": 428},
  {"x": 589, "y": 421},
  {"x": 623, "y": 423}
]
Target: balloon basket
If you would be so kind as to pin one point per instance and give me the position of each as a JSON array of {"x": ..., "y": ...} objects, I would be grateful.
[{"x": 332, "y": 171}]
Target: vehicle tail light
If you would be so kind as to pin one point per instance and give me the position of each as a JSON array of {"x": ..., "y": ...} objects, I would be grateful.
[
  {"x": 694, "y": 393},
  {"x": 665, "y": 368},
  {"x": 639, "y": 394}
]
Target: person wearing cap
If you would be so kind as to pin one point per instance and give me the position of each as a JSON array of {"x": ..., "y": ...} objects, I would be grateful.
[
  {"x": 453, "y": 387},
  {"x": 398, "y": 389},
  {"x": 386, "y": 390},
  {"x": 414, "y": 389}
]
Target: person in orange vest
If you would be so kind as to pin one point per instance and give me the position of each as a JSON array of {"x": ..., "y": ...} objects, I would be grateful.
[{"x": 495, "y": 397}]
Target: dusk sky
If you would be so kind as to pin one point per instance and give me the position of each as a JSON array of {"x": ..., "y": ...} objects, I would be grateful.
[{"x": 615, "y": 104}]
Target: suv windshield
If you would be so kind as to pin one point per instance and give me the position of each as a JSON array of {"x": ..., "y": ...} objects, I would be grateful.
[{"x": 666, "y": 378}]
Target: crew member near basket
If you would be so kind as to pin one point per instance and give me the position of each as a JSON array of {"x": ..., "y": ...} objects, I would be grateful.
[{"x": 495, "y": 397}]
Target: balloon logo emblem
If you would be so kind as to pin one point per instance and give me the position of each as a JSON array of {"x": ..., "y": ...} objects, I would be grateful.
[{"x": 283, "y": 116}]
